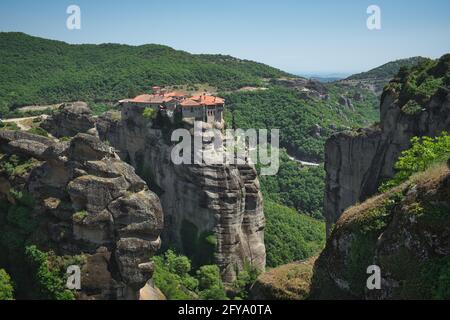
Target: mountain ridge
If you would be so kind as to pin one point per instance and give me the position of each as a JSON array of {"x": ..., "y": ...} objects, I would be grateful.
[{"x": 36, "y": 70}]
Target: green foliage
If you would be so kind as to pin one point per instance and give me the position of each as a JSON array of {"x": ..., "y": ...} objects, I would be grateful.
[
  {"x": 421, "y": 83},
  {"x": 173, "y": 277},
  {"x": 79, "y": 216},
  {"x": 244, "y": 280},
  {"x": 14, "y": 165},
  {"x": 290, "y": 236},
  {"x": 297, "y": 117},
  {"x": 149, "y": 113},
  {"x": 210, "y": 284},
  {"x": 6, "y": 286},
  {"x": 208, "y": 276},
  {"x": 388, "y": 70},
  {"x": 424, "y": 152},
  {"x": 100, "y": 108},
  {"x": 28, "y": 266},
  {"x": 297, "y": 187},
  {"x": 367, "y": 231},
  {"x": 412, "y": 108},
  {"x": 38, "y": 131},
  {"x": 9, "y": 126},
  {"x": 39, "y": 71},
  {"x": 435, "y": 276},
  {"x": 48, "y": 283},
  {"x": 199, "y": 247}
]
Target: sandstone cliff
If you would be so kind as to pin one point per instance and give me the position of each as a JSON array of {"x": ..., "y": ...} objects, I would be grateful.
[
  {"x": 213, "y": 213},
  {"x": 358, "y": 162},
  {"x": 88, "y": 202}
]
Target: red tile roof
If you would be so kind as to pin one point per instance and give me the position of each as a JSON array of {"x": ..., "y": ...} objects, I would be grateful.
[
  {"x": 189, "y": 103},
  {"x": 175, "y": 94},
  {"x": 195, "y": 101},
  {"x": 208, "y": 100}
]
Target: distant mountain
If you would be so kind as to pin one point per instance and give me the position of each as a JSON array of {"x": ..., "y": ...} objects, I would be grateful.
[
  {"x": 325, "y": 79},
  {"x": 35, "y": 70},
  {"x": 377, "y": 78}
]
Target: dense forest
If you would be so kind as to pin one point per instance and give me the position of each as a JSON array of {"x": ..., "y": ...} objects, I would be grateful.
[
  {"x": 387, "y": 70},
  {"x": 40, "y": 71},
  {"x": 304, "y": 122}
]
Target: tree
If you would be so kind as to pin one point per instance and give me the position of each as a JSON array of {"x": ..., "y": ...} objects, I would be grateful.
[
  {"x": 424, "y": 152},
  {"x": 209, "y": 276},
  {"x": 6, "y": 287}
]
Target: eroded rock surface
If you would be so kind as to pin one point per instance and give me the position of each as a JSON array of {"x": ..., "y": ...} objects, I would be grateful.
[
  {"x": 71, "y": 118},
  {"x": 220, "y": 202},
  {"x": 358, "y": 162},
  {"x": 213, "y": 213},
  {"x": 90, "y": 202}
]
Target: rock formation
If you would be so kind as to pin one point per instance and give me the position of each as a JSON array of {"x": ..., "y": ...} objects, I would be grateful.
[
  {"x": 404, "y": 232},
  {"x": 357, "y": 162},
  {"x": 71, "y": 118},
  {"x": 89, "y": 202},
  {"x": 213, "y": 213}
]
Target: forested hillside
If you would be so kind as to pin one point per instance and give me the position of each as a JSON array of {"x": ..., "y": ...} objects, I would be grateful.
[
  {"x": 376, "y": 79},
  {"x": 387, "y": 70},
  {"x": 40, "y": 71},
  {"x": 305, "y": 122}
]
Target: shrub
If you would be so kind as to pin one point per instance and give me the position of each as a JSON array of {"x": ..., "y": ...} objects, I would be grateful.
[
  {"x": 424, "y": 152},
  {"x": 173, "y": 277},
  {"x": 149, "y": 113},
  {"x": 412, "y": 108},
  {"x": 6, "y": 286},
  {"x": 38, "y": 131},
  {"x": 79, "y": 216},
  {"x": 48, "y": 283}
]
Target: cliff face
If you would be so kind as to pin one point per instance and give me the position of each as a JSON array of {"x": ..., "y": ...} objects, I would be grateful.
[
  {"x": 358, "y": 162},
  {"x": 213, "y": 213},
  {"x": 405, "y": 232},
  {"x": 88, "y": 202}
]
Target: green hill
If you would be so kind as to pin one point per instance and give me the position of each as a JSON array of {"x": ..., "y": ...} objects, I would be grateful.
[
  {"x": 304, "y": 122},
  {"x": 387, "y": 70},
  {"x": 377, "y": 78},
  {"x": 40, "y": 71}
]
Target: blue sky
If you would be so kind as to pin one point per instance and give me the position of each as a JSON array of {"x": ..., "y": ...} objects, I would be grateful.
[{"x": 315, "y": 36}]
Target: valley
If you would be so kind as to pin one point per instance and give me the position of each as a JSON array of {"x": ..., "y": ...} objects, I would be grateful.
[{"x": 86, "y": 175}]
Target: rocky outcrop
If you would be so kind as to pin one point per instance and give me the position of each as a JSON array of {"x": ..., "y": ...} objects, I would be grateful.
[
  {"x": 213, "y": 213},
  {"x": 90, "y": 202},
  {"x": 358, "y": 162},
  {"x": 71, "y": 118},
  {"x": 310, "y": 88},
  {"x": 287, "y": 282},
  {"x": 403, "y": 233},
  {"x": 346, "y": 102}
]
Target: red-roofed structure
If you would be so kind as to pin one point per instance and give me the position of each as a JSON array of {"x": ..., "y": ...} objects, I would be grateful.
[{"x": 203, "y": 107}]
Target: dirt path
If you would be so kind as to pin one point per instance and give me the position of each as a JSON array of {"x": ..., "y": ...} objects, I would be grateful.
[{"x": 22, "y": 123}]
